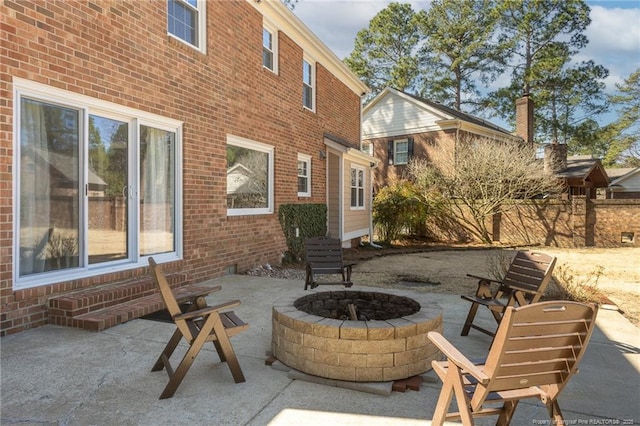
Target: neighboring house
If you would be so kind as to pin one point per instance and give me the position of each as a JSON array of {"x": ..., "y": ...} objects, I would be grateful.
[
  {"x": 397, "y": 126},
  {"x": 625, "y": 183},
  {"x": 580, "y": 174},
  {"x": 158, "y": 95}
]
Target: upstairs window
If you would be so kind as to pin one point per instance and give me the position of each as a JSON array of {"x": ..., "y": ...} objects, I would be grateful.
[
  {"x": 400, "y": 151},
  {"x": 304, "y": 175},
  {"x": 308, "y": 84},
  {"x": 270, "y": 49},
  {"x": 186, "y": 21},
  {"x": 357, "y": 188}
]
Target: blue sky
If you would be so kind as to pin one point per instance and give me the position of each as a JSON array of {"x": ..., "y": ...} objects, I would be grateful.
[{"x": 614, "y": 32}]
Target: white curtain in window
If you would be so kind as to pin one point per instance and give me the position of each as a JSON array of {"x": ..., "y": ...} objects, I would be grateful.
[
  {"x": 156, "y": 223},
  {"x": 34, "y": 187}
]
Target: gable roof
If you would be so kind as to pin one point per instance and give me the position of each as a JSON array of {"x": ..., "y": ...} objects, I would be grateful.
[
  {"x": 583, "y": 169},
  {"x": 420, "y": 115},
  {"x": 620, "y": 175}
]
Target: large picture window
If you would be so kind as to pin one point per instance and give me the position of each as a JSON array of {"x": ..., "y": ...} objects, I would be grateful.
[
  {"x": 249, "y": 177},
  {"x": 96, "y": 187}
]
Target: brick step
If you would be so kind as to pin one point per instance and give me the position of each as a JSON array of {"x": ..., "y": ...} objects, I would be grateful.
[
  {"x": 136, "y": 308},
  {"x": 104, "y": 306}
]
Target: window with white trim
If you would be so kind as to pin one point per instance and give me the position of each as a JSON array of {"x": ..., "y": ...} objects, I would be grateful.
[
  {"x": 401, "y": 151},
  {"x": 357, "y": 187},
  {"x": 304, "y": 175},
  {"x": 186, "y": 20},
  {"x": 98, "y": 186},
  {"x": 308, "y": 84},
  {"x": 249, "y": 177},
  {"x": 270, "y": 48}
]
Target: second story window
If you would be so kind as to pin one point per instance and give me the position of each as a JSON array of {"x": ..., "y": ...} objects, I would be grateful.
[
  {"x": 186, "y": 21},
  {"x": 400, "y": 151},
  {"x": 308, "y": 84},
  {"x": 270, "y": 49}
]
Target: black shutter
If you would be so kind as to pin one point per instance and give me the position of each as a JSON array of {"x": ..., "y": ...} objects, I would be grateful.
[
  {"x": 390, "y": 151},
  {"x": 409, "y": 149}
]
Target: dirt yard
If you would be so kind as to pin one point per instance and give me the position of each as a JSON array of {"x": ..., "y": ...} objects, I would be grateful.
[{"x": 444, "y": 271}]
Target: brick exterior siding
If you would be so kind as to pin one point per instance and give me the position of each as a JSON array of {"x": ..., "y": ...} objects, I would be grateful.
[{"x": 120, "y": 52}]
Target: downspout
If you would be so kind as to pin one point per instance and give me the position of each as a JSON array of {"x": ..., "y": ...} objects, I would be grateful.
[{"x": 371, "y": 166}]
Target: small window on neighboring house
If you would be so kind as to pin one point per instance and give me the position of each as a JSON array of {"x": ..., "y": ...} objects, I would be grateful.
[
  {"x": 186, "y": 21},
  {"x": 400, "y": 151},
  {"x": 270, "y": 48},
  {"x": 367, "y": 147},
  {"x": 308, "y": 84},
  {"x": 357, "y": 187},
  {"x": 304, "y": 175}
]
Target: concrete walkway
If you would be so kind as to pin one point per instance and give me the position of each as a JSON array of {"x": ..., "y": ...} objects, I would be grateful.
[{"x": 63, "y": 376}]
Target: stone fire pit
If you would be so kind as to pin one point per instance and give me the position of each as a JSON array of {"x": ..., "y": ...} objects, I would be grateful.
[{"x": 313, "y": 333}]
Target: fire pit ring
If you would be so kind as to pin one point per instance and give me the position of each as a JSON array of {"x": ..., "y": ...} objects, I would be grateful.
[{"x": 312, "y": 333}]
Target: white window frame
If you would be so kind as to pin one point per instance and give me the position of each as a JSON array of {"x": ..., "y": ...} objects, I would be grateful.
[
  {"x": 201, "y": 32},
  {"x": 269, "y": 150},
  {"x": 91, "y": 106},
  {"x": 396, "y": 143},
  {"x": 305, "y": 159},
  {"x": 274, "y": 46},
  {"x": 359, "y": 201},
  {"x": 311, "y": 84}
]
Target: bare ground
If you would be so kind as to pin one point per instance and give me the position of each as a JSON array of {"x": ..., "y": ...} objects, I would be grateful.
[{"x": 443, "y": 270}]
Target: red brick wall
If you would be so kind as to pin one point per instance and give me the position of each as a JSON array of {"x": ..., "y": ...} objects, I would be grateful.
[
  {"x": 430, "y": 146},
  {"x": 120, "y": 52},
  {"x": 579, "y": 222}
]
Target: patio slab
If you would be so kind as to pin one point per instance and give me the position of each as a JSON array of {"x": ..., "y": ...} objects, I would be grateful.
[{"x": 66, "y": 376}]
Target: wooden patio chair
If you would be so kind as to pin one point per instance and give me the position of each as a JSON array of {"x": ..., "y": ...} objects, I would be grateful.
[
  {"x": 524, "y": 283},
  {"x": 324, "y": 257},
  {"x": 198, "y": 325},
  {"x": 536, "y": 350}
]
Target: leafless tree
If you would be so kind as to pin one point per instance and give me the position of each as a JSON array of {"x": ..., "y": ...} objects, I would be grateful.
[{"x": 480, "y": 178}]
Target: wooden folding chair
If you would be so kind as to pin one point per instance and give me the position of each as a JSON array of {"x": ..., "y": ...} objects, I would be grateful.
[
  {"x": 324, "y": 257},
  {"x": 524, "y": 283},
  {"x": 536, "y": 350},
  {"x": 198, "y": 325}
]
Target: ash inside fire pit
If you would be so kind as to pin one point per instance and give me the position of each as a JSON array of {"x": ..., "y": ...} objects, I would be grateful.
[{"x": 365, "y": 306}]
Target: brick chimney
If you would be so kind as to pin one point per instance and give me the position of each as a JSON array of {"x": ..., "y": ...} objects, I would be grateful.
[
  {"x": 555, "y": 157},
  {"x": 524, "y": 119}
]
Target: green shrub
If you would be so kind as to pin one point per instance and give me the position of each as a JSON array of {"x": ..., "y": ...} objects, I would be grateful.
[
  {"x": 301, "y": 221},
  {"x": 397, "y": 210}
]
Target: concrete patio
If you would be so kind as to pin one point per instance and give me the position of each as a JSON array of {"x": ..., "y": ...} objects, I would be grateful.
[{"x": 64, "y": 376}]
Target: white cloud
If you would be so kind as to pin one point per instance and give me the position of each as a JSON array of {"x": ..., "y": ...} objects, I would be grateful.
[
  {"x": 614, "y": 41},
  {"x": 337, "y": 22}
]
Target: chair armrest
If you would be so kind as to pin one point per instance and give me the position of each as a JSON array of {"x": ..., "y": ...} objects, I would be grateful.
[
  {"x": 455, "y": 356},
  {"x": 206, "y": 311},
  {"x": 491, "y": 280}
]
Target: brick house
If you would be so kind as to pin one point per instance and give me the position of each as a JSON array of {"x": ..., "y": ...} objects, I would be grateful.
[
  {"x": 397, "y": 126},
  {"x": 625, "y": 183},
  {"x": 118, "y": 121}
]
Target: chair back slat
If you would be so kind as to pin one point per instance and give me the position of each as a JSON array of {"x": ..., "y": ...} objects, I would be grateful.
[
  {"x": 539, "y": 344},
  {"x": 324, "y": 251}
]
